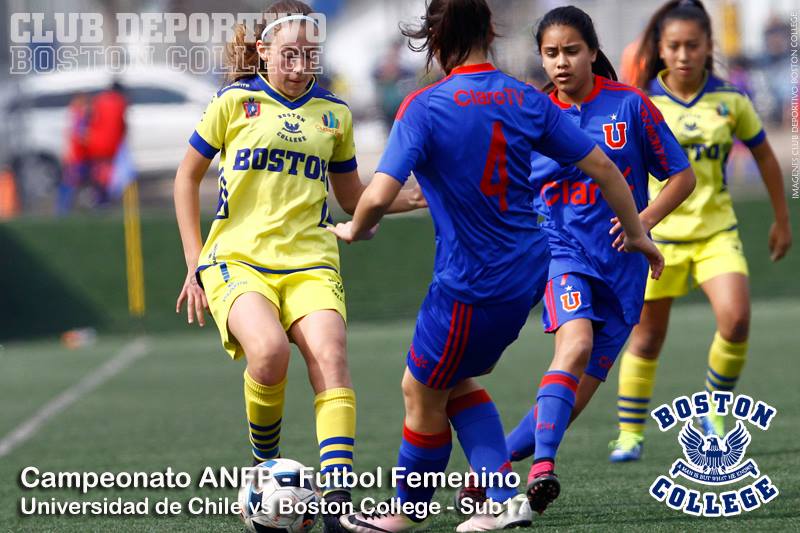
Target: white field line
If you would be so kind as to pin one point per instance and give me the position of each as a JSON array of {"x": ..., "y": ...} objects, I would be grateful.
[{"x": 129, "y": 353}]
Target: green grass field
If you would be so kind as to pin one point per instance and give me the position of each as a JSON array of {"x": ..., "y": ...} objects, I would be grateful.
[{"x": 180, "y": 405}]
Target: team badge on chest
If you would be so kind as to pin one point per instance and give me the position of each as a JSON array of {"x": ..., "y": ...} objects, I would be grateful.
[
  {"x": 251, "y": 108},
  {"x": 616, "y": 135}
]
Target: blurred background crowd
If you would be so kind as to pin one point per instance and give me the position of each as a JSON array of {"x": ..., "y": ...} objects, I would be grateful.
[{"x": 73, "y": 139}]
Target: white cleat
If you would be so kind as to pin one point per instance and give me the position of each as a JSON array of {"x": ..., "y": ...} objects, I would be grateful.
[
  {"x": 377, "y": 522},
  {"x": 516, "y": 513}
]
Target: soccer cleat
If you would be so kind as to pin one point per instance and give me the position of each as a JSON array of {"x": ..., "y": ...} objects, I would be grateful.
[
  {"x": 713, "y": 425},
  {"x": 375, "y": 522},
  {"x": 628, "y": 447},
  {"x": 469, "y": 496},
  {"x": 330, "y": 521},
  {"x": 516, "y": 513},
  {"x": 542, "y": 491}
]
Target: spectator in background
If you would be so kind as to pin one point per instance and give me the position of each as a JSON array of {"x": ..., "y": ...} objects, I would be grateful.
[
  {"x": 631, "y": 63},
  {"x": 394, "y": 81},
  {"x": 76, "y": 158},
  {"x": 772, "y": 66},
  {"x": 95, "y": 140},
  {"x": 106, "y": 134}
]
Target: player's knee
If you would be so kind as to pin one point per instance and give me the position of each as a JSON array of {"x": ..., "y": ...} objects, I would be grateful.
[
  {"x": 647, "y": 342},
  {"x": 413, "y": 400},
  {"x": 735, "y": 327},
  {"x": 576, "y": 350},
  {"x": 267, "y": 360},
  {"x": 331, "y": 359}
]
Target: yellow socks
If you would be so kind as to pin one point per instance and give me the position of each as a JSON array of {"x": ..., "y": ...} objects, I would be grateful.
[
  {"x": 264, "y": 407},
  {"x": 725, "y": 362},
  {"x": 636, "y": 381},
  {"x": 336, "y": 431}
]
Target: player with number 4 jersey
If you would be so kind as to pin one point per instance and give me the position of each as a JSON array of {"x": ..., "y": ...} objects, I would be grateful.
[{"x": 468, "y": 139}]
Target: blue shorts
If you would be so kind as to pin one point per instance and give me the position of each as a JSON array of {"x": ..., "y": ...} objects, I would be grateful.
[
  {"x": 571, "y": 296},
  {"x": 454, "y": 341}
]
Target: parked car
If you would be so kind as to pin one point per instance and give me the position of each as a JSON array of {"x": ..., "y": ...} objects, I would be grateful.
[{"x": 163, "y": 107}]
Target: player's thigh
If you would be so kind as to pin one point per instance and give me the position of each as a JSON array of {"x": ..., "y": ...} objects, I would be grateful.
[
  {"x": 303, "y": 293},
  {"x": 322, "y": 340},
  {"x": 729, "y": 295},
  {"x": 568, "y": 297},
  {"x": 254, "y": 322},
  {"x": 675, "y": 280},
  {"x": 224, "y": 283},
  {"x": 648, "y": 335}
]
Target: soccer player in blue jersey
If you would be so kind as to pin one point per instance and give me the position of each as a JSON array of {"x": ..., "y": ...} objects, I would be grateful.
[
  {"x": 594, "y": 294},
  {"x": 468, "y": 139}
]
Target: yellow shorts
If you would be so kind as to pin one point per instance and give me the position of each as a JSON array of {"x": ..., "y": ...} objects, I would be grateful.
[
  {"x": 295, "y": 295},
  {"x": 696, "y": 261}
]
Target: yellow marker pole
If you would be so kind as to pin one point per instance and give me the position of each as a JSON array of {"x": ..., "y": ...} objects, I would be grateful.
[
  {"x": 731, "y": 42},
  {"x": 133, "y": 250}
]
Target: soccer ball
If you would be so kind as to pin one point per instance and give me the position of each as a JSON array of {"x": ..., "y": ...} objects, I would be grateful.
[{"x": 282, "y": 485}]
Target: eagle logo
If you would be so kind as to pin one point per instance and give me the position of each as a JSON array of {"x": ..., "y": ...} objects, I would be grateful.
[
  {"x": 291, "y": 127},
  {"x": 711, "y": 456}
]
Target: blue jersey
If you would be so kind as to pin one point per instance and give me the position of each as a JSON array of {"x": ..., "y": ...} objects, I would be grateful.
[
  {"x": 468, "y": 139},
  {"x": 634, "y": 135}
]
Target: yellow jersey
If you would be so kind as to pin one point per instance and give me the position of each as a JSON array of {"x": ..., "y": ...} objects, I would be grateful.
[
  {"x": 275, "y": 155},
  {"x": 705, "y": 126}
]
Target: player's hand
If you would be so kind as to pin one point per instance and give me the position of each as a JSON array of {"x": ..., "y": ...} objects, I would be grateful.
[
  {"x": 195, "y": 297},
  {"x": 344, "y": 232},
  {"x": 780, "y": 240},
  {"x": 644, "y": 245},
  {"x": 616, "y": 227},
  {"x": 416, "y": 198}
]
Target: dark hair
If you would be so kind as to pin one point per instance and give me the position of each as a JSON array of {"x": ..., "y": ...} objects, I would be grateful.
[
  {"x": 692, "y": 10},
  {"x": 241, "y": 57},
  {"x": 451, "y": 29},
  {"x": 578, "y": 19}
]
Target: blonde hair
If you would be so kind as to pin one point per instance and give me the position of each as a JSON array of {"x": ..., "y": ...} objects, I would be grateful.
[{"x": 241, "y": 57}]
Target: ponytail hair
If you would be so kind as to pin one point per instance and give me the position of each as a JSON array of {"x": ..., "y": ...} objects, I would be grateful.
[
  {"x": 649, "y": 57},
  {"x": 450, "y": 30},
  {"x": 241, "y": 57},
  {"x": 581, "y": 22}
]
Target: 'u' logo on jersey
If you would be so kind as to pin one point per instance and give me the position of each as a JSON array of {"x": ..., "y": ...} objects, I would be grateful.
[
  {"x": 616, "y": 141},
  {"x": 571, "y": 301}
]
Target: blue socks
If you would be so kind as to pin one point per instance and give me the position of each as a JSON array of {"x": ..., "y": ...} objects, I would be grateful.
[
  {"x": 420, "y": 452},
  {"x": 554, "y": 407},
  {"x": 480, "y": 432}
]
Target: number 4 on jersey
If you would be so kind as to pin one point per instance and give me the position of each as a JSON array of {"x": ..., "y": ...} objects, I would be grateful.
[{"x": 496, "y": 159}]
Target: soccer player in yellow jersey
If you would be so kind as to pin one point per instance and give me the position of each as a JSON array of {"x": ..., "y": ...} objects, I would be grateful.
[
  {"x": 268, "y": 270},
  {"x": 699, "y": 239}
]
